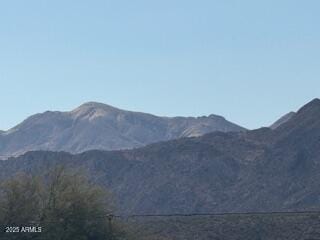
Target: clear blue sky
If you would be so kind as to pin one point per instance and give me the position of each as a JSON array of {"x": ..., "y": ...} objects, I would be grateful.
[{"x": 250, "y": 61}]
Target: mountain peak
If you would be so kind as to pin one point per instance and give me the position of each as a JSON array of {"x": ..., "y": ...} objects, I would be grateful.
[
  {"x": 95, "y": 125},
  {"x": 282, "y": 120},
  {"x": 95, "y": 105},
  {"x": 307, "y": 118},
  {"x": 93, "y": 110},
  {"x": 315, "y": 101},
  {"x": 214, "y": 116},
  {"x": 314, "y": 105}
]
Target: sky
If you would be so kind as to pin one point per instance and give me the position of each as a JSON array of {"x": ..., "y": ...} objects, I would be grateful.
[{"x": 247, "y": 60}]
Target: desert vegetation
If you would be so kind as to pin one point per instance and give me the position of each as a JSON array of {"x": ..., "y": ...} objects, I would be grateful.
[{"x": 61, "y": 205}]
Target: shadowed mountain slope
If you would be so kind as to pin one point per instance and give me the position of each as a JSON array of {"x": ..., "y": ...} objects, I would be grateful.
[{"x": 260, "y": 170}]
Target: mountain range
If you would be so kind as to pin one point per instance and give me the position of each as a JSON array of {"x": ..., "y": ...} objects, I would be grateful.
[
  {"x": 259, "y": 170},
  {"x": 100, "y": 126}
]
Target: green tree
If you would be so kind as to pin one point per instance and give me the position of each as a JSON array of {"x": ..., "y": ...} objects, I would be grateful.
[
  {"x": 64, "y": 203},
  {"x": 20, "y": 205}
]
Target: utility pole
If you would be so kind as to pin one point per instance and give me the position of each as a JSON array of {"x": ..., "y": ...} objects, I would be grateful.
[{"x": 110, "y": 218}]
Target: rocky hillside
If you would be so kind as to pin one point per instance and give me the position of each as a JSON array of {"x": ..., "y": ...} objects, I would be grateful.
[
  {"x": 100, "y": 126},
  {"x": 282, "y": 120},
  {"x": 260, "y": 170}
]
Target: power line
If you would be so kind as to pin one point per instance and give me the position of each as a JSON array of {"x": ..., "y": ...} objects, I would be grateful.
[
  {"x": 110, "y": 216},
  {"x": 215, "y": 214}
]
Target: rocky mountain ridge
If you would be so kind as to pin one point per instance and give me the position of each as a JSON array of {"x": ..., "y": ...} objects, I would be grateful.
[
  {"x": 282, "y": 120},
  {"x": 259, "y": 170},
  {"x": 100, "y": 126}
]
